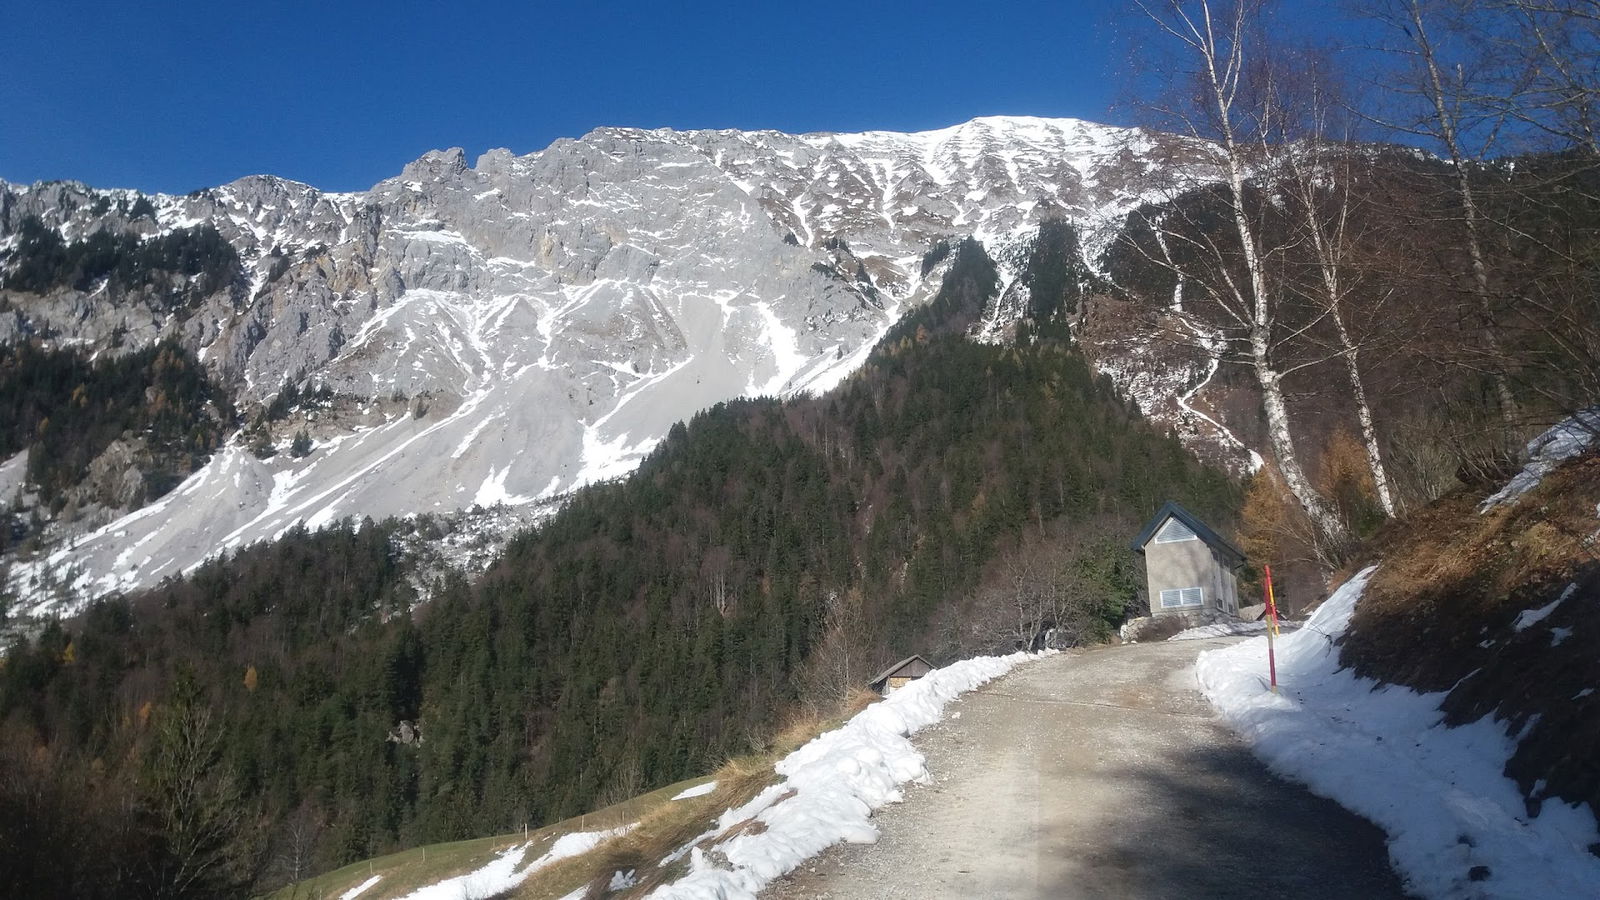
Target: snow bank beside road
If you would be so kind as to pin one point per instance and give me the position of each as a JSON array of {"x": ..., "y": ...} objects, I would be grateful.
[
  {"x": 1227, "y": 629},
  {"x": 1457, "y": 827},
  {"x": 830, "y": 787}
]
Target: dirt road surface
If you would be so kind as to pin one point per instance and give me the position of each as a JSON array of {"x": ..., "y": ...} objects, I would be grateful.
[{"x": 1100, "y": 774}]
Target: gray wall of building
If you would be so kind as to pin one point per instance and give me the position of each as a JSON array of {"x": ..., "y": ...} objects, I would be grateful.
[{"x": 1185, "y": 564}]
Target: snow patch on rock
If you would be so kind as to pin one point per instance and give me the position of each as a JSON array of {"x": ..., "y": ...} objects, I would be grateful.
[{"x": 1560, "y": 443}]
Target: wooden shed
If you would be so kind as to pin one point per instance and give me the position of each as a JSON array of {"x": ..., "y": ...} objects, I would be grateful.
[
  {"x": 1190, "y": 568},
  {"x": 900, "y": 674}
]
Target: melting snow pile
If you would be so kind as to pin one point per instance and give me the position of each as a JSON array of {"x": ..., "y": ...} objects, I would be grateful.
[
  {"x": 1457, "y": 826},
  {"x": 1224, "y": 629},
  {"x": 830, "y": 788},
  {"x": 361, "y": 888},
  {"x": 699, "y": 790},
  {"x": 1548, "y": 450},
  {"x": 502, "y": 874}
]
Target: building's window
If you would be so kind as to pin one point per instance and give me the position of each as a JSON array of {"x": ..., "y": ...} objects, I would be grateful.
[
  {"x": 1176, "y": 597},
  {"x": 1175, "y": 531}
]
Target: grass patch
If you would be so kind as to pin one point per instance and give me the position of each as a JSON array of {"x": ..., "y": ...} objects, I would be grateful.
[
  {"x": 408, "y": 870},
  {"x": 661, "y": 832},
  {"x": 402, "y": 872}
]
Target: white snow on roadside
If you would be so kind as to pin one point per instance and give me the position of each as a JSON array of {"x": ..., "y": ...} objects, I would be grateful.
[
  {"x": 1561, "y": 442},
  {"x": 1225, "y": 629},
  {"x": 1382, "y": 752},
  {"x": 830, "y": 787},
  {"x": 699, "y": 790},
  {"x": 361, "y": 888},
  {"x": 502, "y": 874}
]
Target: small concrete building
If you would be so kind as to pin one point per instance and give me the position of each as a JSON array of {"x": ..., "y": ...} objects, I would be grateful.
[
  {"x": 900, "y": 674},
  {"x": 1189, "y": 567}
]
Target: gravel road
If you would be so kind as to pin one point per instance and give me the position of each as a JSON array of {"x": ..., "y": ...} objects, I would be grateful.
[{"x": 1100, "y": 773}]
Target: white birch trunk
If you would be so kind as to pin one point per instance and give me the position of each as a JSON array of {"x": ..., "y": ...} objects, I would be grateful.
[
  {"x": 1328, "y": 252},
  {"x": 1263, "y": 320},
  {"x": 1369, "y": 432},
  {"x": 1251, "y": 304}
]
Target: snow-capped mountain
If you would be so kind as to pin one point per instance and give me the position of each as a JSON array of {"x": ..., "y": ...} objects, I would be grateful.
[{"x": 504, "y": 332}]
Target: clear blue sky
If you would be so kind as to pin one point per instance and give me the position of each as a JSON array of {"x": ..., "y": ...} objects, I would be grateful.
[{"x": 171, "y": 96}]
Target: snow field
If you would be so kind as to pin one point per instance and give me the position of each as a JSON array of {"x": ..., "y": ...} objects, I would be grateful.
[
  {"x": 830, "y": 788},
  {"x": 1458, "y": 828}
]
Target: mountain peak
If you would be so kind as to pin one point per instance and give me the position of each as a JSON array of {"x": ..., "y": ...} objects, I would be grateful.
[{"x": 436, "y": 165}]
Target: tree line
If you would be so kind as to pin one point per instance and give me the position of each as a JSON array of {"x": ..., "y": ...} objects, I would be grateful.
[{"x": 186, "y": 264}]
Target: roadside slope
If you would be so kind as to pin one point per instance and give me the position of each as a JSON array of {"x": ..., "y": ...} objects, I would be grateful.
[{"x": 1448, "y": 690}]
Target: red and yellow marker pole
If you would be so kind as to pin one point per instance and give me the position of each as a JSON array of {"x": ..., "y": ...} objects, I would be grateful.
[{"x": 1272, "y": 632}]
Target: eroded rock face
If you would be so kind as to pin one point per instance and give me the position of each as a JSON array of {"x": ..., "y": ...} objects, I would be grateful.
[
  {"x": 505, "y": 331},
  {"x": 116, "y": 477}
]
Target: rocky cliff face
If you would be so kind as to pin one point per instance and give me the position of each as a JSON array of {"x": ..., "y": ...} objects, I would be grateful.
[{"x": 504, "y": 332}]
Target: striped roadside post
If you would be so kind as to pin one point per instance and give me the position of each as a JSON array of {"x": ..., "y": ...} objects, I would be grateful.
[{"x": 1272, "y": 632}]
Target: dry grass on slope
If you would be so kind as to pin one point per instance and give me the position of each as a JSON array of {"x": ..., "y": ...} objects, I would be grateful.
[
  {"x": 662, "y": 826},
  {"x": 651, "y": 850},
  {"x": 407, "y": 870},
  {"x": 1441, "y": 614}
]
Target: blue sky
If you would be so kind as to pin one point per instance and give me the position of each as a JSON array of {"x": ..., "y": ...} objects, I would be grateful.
[{"x": 171, "y": 96}]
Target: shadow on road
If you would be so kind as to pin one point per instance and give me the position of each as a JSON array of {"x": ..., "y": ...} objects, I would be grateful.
[{"x": 1213, "y": 822}]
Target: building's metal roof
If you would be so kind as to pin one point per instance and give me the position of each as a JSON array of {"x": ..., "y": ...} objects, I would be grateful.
[
  {"x": 884, "y": 675},
  {"x": 1173, "y": 510}
]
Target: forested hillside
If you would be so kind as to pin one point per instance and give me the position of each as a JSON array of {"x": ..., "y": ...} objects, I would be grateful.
[
  {"x": 65, "y": 409},
  {"x": 765, "y": 554},
  {"x": 187, "y": 263}
]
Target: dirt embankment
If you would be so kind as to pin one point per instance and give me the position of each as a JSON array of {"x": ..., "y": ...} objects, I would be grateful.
[{"x": 1449, "y": 610}]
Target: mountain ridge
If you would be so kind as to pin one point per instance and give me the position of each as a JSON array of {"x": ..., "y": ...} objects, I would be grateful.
[{"x": 509, "y": 331}]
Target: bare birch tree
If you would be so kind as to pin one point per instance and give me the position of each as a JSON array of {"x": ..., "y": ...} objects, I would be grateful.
[
  {"x": 1550, "y": 79},
  {"x": 1445, "y": 102},
  {"x": 1224, "y": 98},
  {"x": 1318, "y": 177}
]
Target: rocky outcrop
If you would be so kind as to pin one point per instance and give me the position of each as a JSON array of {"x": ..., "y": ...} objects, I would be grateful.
[
  {"x": 406, "y": 733},
  {"x": 116, "y": 477}
]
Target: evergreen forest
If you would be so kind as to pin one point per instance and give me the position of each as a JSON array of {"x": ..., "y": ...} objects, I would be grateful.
[
  {"x": 188, "y": 263},
  {"x": 65, "y": 409}
]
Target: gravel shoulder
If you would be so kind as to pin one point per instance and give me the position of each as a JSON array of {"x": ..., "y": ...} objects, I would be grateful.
[{"x": 1100, "y": 773}]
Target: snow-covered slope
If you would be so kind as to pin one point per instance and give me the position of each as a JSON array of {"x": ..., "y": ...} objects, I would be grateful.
[
  {"x": 1457, "y": 826},
  {"x": 507, "y": 331}
]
